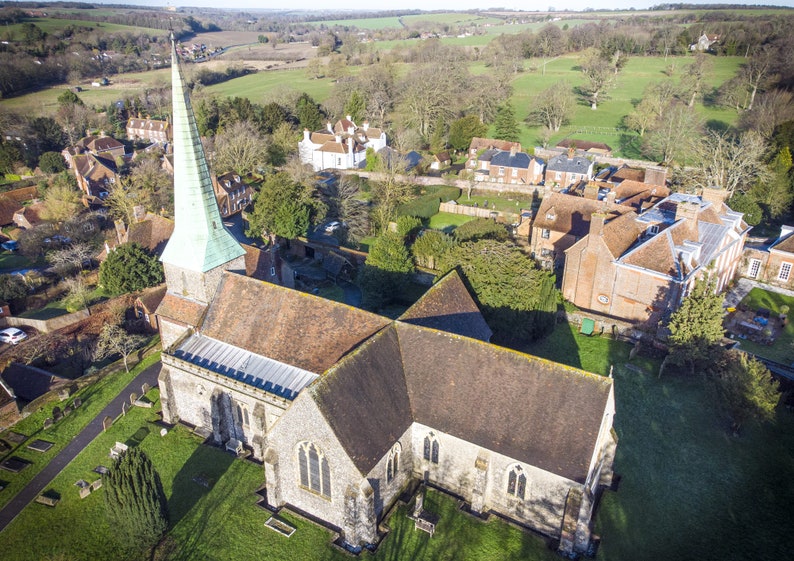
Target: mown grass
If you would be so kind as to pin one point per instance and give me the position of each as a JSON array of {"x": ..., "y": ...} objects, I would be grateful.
[
  {"x": 447, "y": 221},
  {"x": 782, "y": 350},
  {"x": 688, "y": 488},
  {"x": 502, "y": 203},
  {"x": 361, "y": 23},
  {"x": 12, "y": 260},
  {"x": 94, "y": 397}
]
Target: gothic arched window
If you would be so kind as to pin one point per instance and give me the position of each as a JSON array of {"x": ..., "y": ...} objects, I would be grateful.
[
  {"x": 314, "y": 472},
  {"x": 431, "y": 448},
  {"x": 393, "y": 463},
  {"x": 516, "y": 482}
]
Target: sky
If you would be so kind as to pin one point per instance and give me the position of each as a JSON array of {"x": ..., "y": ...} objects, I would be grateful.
[{"x": 451, "y": 5}]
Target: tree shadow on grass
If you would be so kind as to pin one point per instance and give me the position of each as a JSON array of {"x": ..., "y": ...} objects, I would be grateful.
[{"x": 197, "y": 477}]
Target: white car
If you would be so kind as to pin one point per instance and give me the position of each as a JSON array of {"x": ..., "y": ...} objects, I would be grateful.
[{"x": 12, "y": 335}]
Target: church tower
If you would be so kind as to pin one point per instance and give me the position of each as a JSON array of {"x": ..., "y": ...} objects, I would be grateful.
[{"x": 201, "y": 247}]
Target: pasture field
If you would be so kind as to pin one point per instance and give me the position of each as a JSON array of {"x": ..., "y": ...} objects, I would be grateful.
[
  {"x": 51, "y": 25},
  {"x": 628, "y": 89},
  {"x": 452, "y": 18},
  {"x": 363, "y": 23}
]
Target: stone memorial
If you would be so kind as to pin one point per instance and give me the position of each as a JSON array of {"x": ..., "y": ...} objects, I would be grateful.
[{"x": 107, "y": 422}]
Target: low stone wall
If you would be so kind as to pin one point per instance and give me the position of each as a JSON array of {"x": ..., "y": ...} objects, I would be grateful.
[
  {"x": 454, "y": 208},
  {"x": 45, "y": 325},
  {"x": 607, "y": 325}
]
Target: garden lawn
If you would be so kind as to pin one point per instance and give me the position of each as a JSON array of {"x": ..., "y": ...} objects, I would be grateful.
[
  {"x": 503, "y": 203},
  {"x": 12, "y": 261},
  {"x": 688, "y": 488},
  {"x": 782, "y": 350},
  {"x": 447, "y": 221},
  {"x": 94, "y": 397}
]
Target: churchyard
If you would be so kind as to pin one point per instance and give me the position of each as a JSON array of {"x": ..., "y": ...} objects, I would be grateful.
[{"x": 688, "y": 488}]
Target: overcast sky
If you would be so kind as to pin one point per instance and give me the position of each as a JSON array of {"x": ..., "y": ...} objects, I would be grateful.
[{"x": 425, "y": 5}]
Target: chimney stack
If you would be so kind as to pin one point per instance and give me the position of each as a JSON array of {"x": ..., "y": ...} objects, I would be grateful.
[
  {"x": 597, "y": 221},
  {"x": 715, "y": 196},
  {"x": 655, "y": 175},
  {"x": 591, "y": 191},
  {"x": 571, "y": 151},
  {"x": 686, "y": 210},
  {"x": 306, "y": 134}
]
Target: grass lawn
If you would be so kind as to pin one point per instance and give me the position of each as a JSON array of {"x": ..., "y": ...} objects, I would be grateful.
[
  {"x": 503, "y": 203},
  {"x": 332, "y": 292},
  {"x": 600, "y": 125},
  {"x": 782, "y": 350},
  {"x": 13, "y": 260},
  {"x": 447, "y": 221},
  {"x": 95, "y": 397},
  {"x": 689, "y": 490}
]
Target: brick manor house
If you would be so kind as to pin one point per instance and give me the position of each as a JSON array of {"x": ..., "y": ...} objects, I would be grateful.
[{"x": 346, "y": 409}]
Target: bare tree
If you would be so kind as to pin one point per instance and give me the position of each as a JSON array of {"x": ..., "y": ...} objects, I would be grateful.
[
  {"x": 239, "y": 148},
  {"x": 71, "y": 258},
  {"x": 598, "y": 77},
  {"x": 427, "y": 95},
  {"x": 62, "y": 199},
  {"x": 730, "y": 162},
  {"x": 770, "y": 109},
  {"x": 693, "y": 80},
  {"x": 344, "y": 202},
  {"x": 553, "y": 107},
  {"x": 78, "y": 291},
  {"x": 757, "y": 73},
  {"x": 672, "y": 135},
  {"x": 114, "y": 340}
]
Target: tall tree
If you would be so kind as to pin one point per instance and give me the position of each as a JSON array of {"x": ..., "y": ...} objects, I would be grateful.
[
  {"x": 308, "y": 113},
  {"x": 746, "y": 388},
  {"x": 553, "y": 107},
  {"x": 598, "y": 77},
  {"x": 239, "y": 148},
  {"x": 62, "y": 199},
  {"x": 283, "y": 207},
  {"x": 128, "y": 268},
  {"x": 386, "y": 271},
  {"x": 671, "y": 137},
  {"x": 518, "y": 300},
  {"x": 462, "y": 130},
  {"x": 693, "y": 80},
  {"x": 505, "y": 126},
  {"x": 696, "y": 326},
  {"x": 728, "y": 161},
  {"x": 136, "y": 505}
]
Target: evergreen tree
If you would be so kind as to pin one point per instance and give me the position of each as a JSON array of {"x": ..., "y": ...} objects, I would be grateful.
[
  {"x": 308, "y": 113},
  {"x": 696, "y": 327},
  {"x": 386, "y": 270},
  {"x": 136, "y": 505},
  {"x": 746, "y": 388},
  {"x": 128, "y": 268},
  {"x": 356, "y": 106},
  {"x": 506, "y": 126},
  {"x": 518, "y": 300},
  {"x": 283, "y": 207},
  {"x": 462, "y": 130}
]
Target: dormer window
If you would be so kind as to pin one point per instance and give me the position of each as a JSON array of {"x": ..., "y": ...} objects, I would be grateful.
[{"x": 653, "y": 229}]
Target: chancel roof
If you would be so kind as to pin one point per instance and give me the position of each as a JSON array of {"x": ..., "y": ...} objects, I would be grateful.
[{"x": 475, "y": 391}]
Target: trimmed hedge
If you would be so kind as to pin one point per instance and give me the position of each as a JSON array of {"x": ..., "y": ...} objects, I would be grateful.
[{"x": 427, "y": 205}]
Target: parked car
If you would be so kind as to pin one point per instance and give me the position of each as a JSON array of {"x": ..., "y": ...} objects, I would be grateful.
[{"x": 12, "y": 335}]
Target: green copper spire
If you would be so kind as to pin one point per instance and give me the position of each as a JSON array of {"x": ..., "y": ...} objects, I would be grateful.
[{"x": 200, "y": 241}]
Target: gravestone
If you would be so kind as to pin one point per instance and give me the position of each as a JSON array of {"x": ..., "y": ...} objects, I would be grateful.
[
  {"x": 145, "y": 388},
  {"x": 124, "y": 408},
  {"x": 163, "y": 432},
  {"x": 107, "y": 422},
  {"x": 96, "y": 485},
  {"x": 47, "y": 422},
  {"x": 16, "y": 437},
  {"x": 56, "y": 414},
  {"x": 77, "y": 402},
  {"x": 84, "y": 492},
  {"x": 133, "y": 397},
  {"x": 63, "y": 394},
  {"x": 67, "y": 410}
]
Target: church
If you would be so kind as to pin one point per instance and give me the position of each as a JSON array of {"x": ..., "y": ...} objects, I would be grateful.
[{"x": 347, "y": 409}]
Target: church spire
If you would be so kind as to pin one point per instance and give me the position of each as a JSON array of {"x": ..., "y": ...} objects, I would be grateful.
[{"x": 200, "y": 241}]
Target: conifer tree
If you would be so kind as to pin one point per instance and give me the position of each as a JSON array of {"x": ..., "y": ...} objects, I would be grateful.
[
  {"x": 696, "y": 327},
  {"x": 136, "y": 505},
  {"x": 506, "y": 125}
]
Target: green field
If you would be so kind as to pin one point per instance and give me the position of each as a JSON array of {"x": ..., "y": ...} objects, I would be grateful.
[
  {"x": 52, "y": 25},
  {"x": 362, "y": 23},
  {"x": 256, "y": 86}
]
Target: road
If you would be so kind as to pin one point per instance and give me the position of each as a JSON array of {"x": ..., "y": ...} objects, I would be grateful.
[{"x": 88, "y": 434}]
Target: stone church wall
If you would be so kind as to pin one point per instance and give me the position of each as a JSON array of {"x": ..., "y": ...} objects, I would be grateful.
[
  {"x": 480, "y": 476},
  {"x": 211, "y": 401},
  {"x": 350, "y": 507},
  {"x": 199, "y": 286},
  {"x": 386, "y": 493}
]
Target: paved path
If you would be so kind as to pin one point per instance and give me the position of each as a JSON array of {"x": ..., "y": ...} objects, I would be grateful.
[
  {"x": 78, "y": 443},
  {"x": 744, "y": 286}
]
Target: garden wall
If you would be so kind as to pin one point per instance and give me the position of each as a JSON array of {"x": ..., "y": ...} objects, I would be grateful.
[{"x": 45, "y": 325}]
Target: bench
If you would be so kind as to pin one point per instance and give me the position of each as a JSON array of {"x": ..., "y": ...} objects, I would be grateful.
[
  {"x": 118, "y": 449},
  {"x": 426, "y": 521},
  {"x": 235, "y": 446}
]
